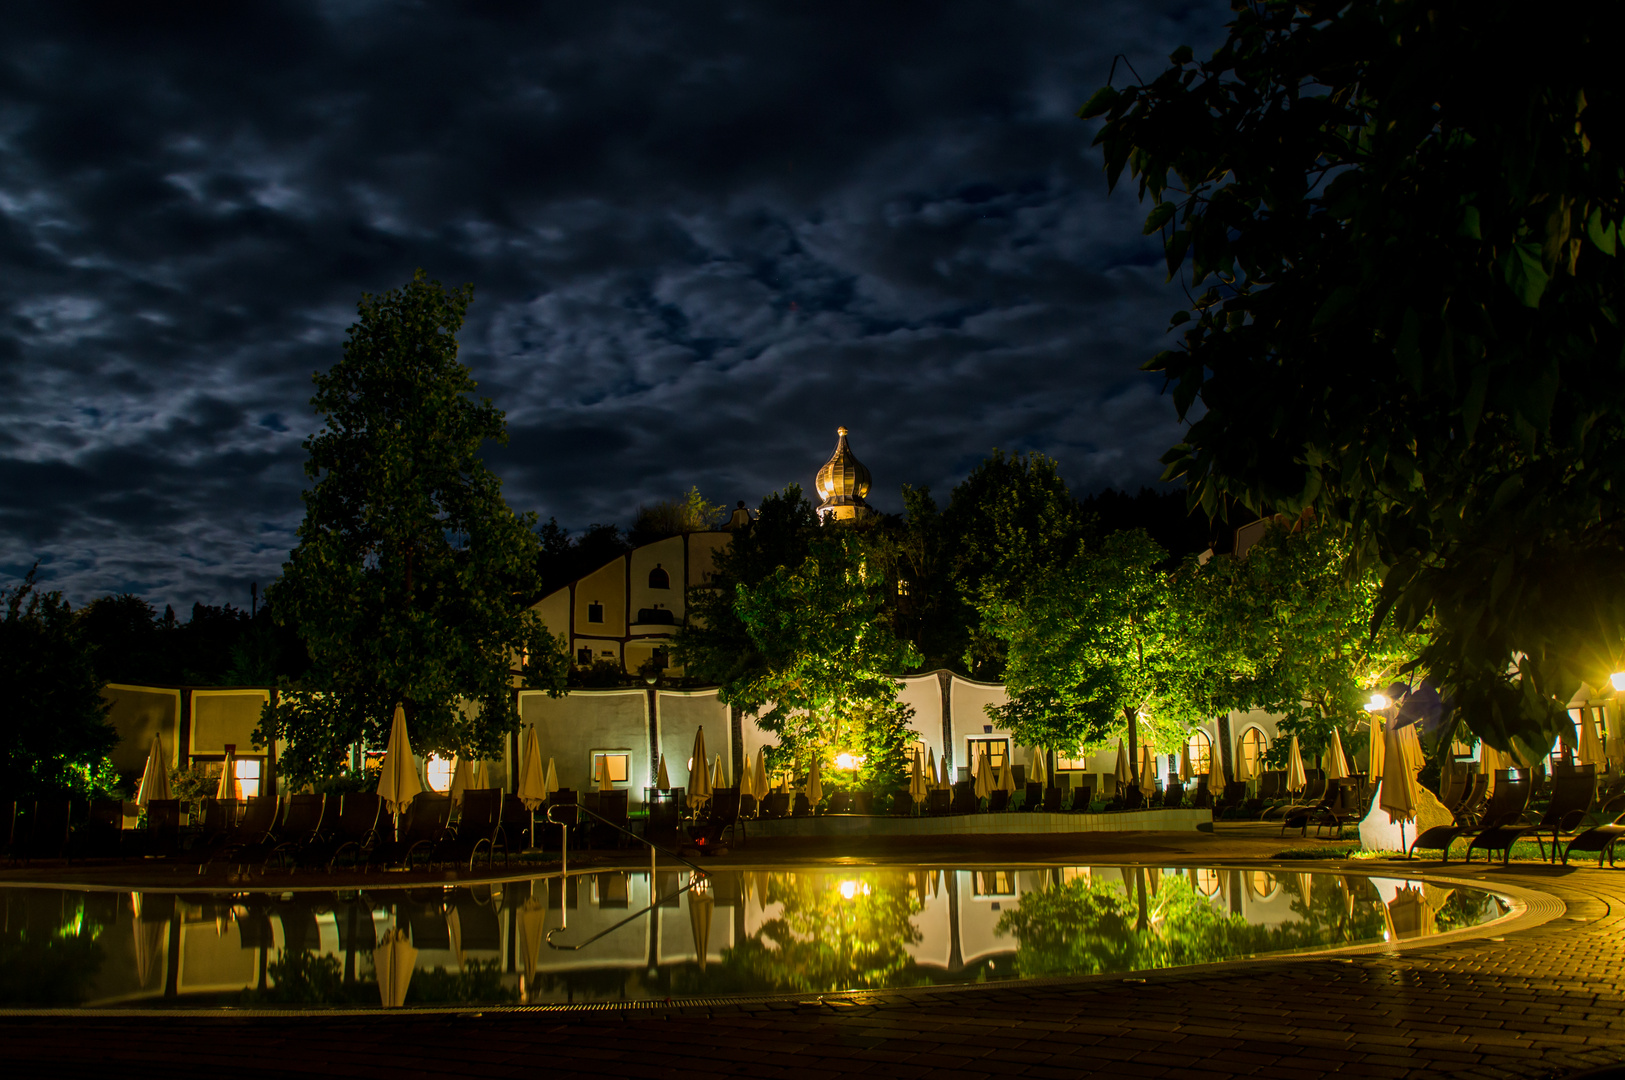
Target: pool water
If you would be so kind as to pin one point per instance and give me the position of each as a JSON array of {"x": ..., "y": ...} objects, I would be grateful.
[{"x": 624, "y": 935}]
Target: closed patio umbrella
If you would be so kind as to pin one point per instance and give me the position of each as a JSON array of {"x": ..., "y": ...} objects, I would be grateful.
[
  {"x": 1148, "y": 770},
  {"x": 1244, "y": 771},
  {"x": 1590, "y": 745},
  {"x": 815, "y": 783},
  {"x": 1121, "y": 773},
  {"x": 462, "y": 778},
  {"x": 947, "y": 781},
  {"x": 984, "y": 774},
  {"x": 1399, "y": 793},
  {"x": 701, "y": 906},
  {"x": 747, "y": 779},
  {"x": 393, "y": 962},
  {"x": 1296, "y": 778},
  {"x": 718, "y": 777},
  {"x": 1489, "y": 763},
  {"x": 532, "y": 925},
  {"x": 601, "y": 774},
  {"x": 228, "y": 788},
  {"x": 699, "y": 771},
  {"x": 1378, "y": 744},
  {"x": 532, "y": 779},
  {"x": 1185, "y": 768},
  {"x": 1337, "y": 765},
  {"x": 482, "y": 776},
  {"x": 552, "y": 784},
  {"x": 155, "y": 780},
  {"x": 1007, "y": 776},
  {"x": 931, "y": 779},
  {"x": 398, "y": 782},
  {"x": 759, "y": 774},
  {"x": 1038, "y": 773},
  {"x": 662, "y": 778},
  {"x": 916, "y": 782}
]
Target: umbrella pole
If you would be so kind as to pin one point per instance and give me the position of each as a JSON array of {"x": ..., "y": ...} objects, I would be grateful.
[{"x": 564, "y": 879}]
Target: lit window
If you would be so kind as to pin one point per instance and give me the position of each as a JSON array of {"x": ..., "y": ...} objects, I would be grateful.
[
  {"x": 902, "y": 587},
  {"x": 619, "y": 765},
  {"x": 595, "y": 612},
  {"x": 1201, "y": 753},
  {"x": 248, "y": 777},
  {"x": 1253, "y": 745},
  {"x": 659, "y": 579},
  {"x": 437, "y": 772},
  {"x": 1262, "y": 884},
  {"x": 1207, "y": 881},
  {"x": 993, "y": 883},
  {"x": 995, "y": 752},
  {"x": 1070, "y": 764}
]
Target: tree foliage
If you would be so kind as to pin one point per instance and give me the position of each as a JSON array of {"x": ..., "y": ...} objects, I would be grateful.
[
  {"x": 1402, "y": 225},
  {"x": 1094, "y": 642},
  {"x": 411, "y": 578},
  {"x": 54, "y": 738}
]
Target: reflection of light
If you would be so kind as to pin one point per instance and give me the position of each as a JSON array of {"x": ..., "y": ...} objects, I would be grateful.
[
  {"x": 1377, "y": 703},
  {"x": 1618, "y": 679},
  {"x": 849, "y": 889},
  {"x": 437, "y": 771},
  {"x": 848, "y": 761}
]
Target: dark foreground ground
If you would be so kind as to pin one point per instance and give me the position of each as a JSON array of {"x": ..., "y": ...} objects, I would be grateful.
[{"x": 1545, "y": 998}]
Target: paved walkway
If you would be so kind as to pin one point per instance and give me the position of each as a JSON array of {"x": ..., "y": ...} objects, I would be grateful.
[{"x": 1546, "y": 1001}]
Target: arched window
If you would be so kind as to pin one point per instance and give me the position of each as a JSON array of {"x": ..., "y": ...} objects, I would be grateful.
[
  {"x": 1207, "y": 881},
  {"x": 1201, "y": 753},
  {"x": 659, "y": 579},
  {"x": 1253, "y": 745},
  {"x": 1262, "y": 884}
]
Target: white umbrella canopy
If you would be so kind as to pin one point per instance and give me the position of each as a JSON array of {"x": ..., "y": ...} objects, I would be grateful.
[
  {"x": 1337, "y": 765},
  {"x": 1244, "y": 771},
  {"x": 1185, "y": 769},
  {"x": 916, "y": 781},
  {"x": 1296, "y": 778},
  {"x": 947, "y": 780},
  {"x": 532, "y": 779},
  {"x": 601, "y": 774},
  {"x": 1489, "y": 763},
  {"x": 398, "y": 782},
  {"x": 984, "y": 774},
  {"x": 1037, "y": 773},
  {"x": 1148, "y": 770},
  {"x": 393, "y": 961},
  {"x": 662, "y": 778},
  {"x": 1007, "y": 776},
  {"x": 815, "y": 783},
  {"x": 1590, "y": 744},
  {"x": 552, "y": 783},
  {"x": 931, "y": 768},
  {"x": 1379, "y": 742},
  {"x": 228, "y": 788},
  {"x": 1400, "y": 764},
  {"x": 462, "y": 778},
  {"x": 1121, "y": 772},
  {"x": 699, "y": 776},
  {"x": 758, "y": 781},
  {"x": 747, "y": 779},
  {"x": 719, "y": 779},
  {"x": 482, "y": 777},
  {"x": 155, "y": 780}
]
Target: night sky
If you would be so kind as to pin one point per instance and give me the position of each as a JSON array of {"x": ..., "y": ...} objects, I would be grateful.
[{"x": 701, "y": 235}]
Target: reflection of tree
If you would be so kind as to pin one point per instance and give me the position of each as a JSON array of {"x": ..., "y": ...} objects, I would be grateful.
[
  {"x": 297, "y": 977},
  {"x": 1086, "y": 926},
  {"x": 48, "y": 949},
  {"x": 1469, "y": 907},
  {"x": 834, "y": 932},
  {"x": 1337, "y": 911},
  {"x": 479, "y": 982}
]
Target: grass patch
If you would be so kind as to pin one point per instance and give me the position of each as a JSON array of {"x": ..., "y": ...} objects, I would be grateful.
[{"x": 1317, "y": 853}]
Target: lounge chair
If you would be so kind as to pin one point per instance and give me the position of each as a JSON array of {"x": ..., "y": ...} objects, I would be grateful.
[
  {"x": 1505, "y": 806},
  {"x": 475, "y": 834},
  {"x": 422, "y": 826},
  {"x": 1602, "y": 837},
  {"x": 351, "y": 836},
  {"x": 251, "y": 838},
  {"x": 803, "y": 808},
  {"x": 162, "y": 836},
  {"x": 721, "y": 815},
  {"x": 1081, "y": 798},
  {"x": 840, "y": 802},
  {"x": 1033, "y": 797},
  {"x": 102, "y": 834},
  {"x": 965, "y": 800},
  {"x": 517, "y": 825},
  {"x": 902, "y": 804},
  {"x": 998, "y": 801},
  {"x": 302, "y": 826},
  {"x": 662, "y": 826},
  {"x": 1574, "y": 791},
  {"x": 776, "y": 804},
  {"x": 1052, "y": 800},
  {"x": 612, "y": 807},
  {"x": 1173, "y": 797},
  {"x": 939, "y": 801}
]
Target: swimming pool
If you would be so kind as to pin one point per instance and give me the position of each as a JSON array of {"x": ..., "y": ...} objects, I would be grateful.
[{"x": 630, "y": 936}]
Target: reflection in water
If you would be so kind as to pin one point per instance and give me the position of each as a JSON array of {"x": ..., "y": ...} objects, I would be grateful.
[{"x": 627, "y": 935}]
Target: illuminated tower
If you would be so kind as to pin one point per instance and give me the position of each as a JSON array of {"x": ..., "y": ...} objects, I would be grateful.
[{"x": 842, "y": 483}]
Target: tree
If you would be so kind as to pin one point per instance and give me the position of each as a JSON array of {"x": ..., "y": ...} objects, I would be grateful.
[
  {"x": 54, "y": 735},
  {"x": 1012, "y": 520},
  {"x": 1402, "y": 222},
  {"x": 1289, "y": 632},
  {"x": 411, "y": 578},
  {"x": 1097, "y": 646},
  {"x": 674, "y": 517},
  {"x": 928, "y": 606},
  {"x": 822, "y": 665}
]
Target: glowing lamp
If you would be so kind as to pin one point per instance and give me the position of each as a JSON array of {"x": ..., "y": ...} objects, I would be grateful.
[
  {"x": 849, "y": 889},
  {"x": 848, "y": 761},
  {"x": 1377, "y": 703},
  {"x": 1618, "y": 679}
]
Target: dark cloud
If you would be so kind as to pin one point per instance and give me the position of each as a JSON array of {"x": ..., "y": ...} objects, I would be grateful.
[{"x": 701, "y": 235}]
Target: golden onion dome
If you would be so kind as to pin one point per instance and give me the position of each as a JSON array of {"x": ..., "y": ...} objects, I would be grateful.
[{"x": 843, "y": 482}]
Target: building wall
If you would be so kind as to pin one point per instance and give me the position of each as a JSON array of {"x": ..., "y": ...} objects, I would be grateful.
[
  {"x": 138, "y": 713},
  {"x": 668, "y": 556},
  {"x": 570, "y": 728},
  {"x": 682, "y": 713}
]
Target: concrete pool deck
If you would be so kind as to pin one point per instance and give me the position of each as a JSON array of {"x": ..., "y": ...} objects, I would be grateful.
[{"x": 1546, "y": 998}]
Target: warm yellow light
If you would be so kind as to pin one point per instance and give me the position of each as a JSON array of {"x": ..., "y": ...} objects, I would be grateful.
[
  {"x": 1377, "y": 703},
  {"x": 848, "y": 761},
  {"x": 437, "y": 772},
  {"x": 849, "y": 889},
  {"x": 1618, "y": 679}
]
